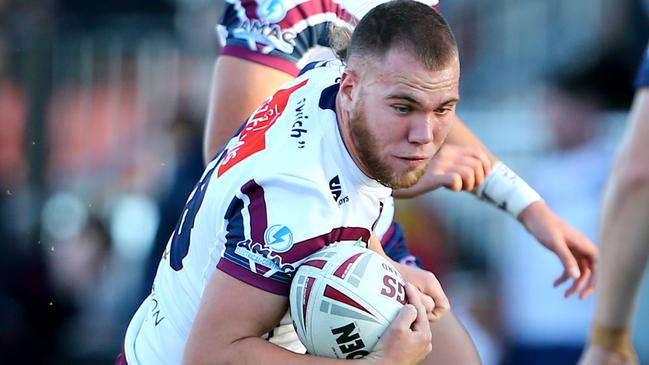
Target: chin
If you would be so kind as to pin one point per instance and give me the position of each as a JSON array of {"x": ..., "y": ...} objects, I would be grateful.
[{"x": 407, "y": 179}]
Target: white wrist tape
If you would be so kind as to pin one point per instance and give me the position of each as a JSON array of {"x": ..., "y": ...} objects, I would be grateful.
[{"x": 506, "y": 190}]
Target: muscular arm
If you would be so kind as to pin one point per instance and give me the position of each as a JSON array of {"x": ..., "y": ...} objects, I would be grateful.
[
  {"x": 625, "y": 232},
  {"x": 238, "y": 88},
  {"x": 227, "y": 328},
  {"x": 232, "y": 315}
]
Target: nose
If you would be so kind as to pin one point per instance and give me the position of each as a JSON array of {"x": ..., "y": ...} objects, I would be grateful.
[{"x": 421, "y": 130}]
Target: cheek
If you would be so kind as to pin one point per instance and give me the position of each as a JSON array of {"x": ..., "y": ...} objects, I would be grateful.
[{"x": 442, "y": 128}]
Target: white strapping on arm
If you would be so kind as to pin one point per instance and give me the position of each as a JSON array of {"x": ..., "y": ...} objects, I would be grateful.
[{"x": 506, "y": 190}]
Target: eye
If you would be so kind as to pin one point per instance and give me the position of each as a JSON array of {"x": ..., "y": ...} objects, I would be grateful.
[
  {"x": 444, "y": 110},
  {"x": 401, "y": 109}
]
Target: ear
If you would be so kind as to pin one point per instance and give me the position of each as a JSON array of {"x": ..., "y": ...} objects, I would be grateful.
[{"x": 348, "y": 86}]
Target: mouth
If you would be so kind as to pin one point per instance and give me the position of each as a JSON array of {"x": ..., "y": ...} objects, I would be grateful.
[{"x": 412, "y": 161}]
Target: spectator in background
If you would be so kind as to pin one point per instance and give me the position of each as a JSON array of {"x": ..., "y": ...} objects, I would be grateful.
[
  {"x": 187, "y": 130},
  {"x": 541, "y": 327},
  {"x": 77, "y": 269},
  {"x": 624, "y": 239}
]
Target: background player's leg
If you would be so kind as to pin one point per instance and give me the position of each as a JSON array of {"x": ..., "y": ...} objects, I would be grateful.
[{"x": 451, "y": 344}]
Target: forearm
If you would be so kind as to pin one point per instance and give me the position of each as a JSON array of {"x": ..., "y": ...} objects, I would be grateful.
[
  {"x": 625, "y": 228},
  {"x": 230, "y": 321},
  {"x": 255, "y": 350},
  {"x": 624, "y": 252}
]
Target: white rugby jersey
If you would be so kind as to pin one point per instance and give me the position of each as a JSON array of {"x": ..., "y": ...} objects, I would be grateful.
[
  {"x": 284, "y": 34},
  {"x": 284, "y": 188}
]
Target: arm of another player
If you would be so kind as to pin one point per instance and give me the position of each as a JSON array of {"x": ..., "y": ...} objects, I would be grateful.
[
  {"x": 238, "y": 88},
  {"x": 233, "y": 315},
  {"x": 464, "y": 163},
  {"x": 625, "y": 244}
]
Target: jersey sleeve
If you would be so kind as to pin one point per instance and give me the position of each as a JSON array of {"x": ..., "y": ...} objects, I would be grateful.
[
  {"x": 278, "y": 34},
  {"x": 642, "y": 80},
  {"x": 273, "y": 226}
]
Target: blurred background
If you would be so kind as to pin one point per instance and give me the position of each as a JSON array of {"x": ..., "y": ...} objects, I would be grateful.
[{"x": 102, "y": 106}]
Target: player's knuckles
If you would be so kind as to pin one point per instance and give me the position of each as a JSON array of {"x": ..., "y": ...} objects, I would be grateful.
[
  {"x": 429, "y": 303},
  {"x": 408, "y": 313},
  {"x": 442, "y": 309},
  {"x": 456, "y": 182}
]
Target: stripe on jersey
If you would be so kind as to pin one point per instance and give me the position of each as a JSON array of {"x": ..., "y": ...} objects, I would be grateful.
[{"x": 249, "y": 259}]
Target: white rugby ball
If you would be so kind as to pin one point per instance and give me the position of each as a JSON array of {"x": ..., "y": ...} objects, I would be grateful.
[{"x": 342, "y": 300}]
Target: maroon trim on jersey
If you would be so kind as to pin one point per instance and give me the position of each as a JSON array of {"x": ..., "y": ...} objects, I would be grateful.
[
  {"x": 272, "y": 61},
  {"x": 305, "y": 248},
  {"x": 254, "y": 279},
  {"x": 299, "y": 12},
  {"x": 257, "y": 210},
  {"x": 310, "y": 8},
  {"x": 250, "y": 7},
  {"x": 389, "y": 233}
]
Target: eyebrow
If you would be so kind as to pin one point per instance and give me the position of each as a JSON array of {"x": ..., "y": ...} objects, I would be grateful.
[
  {"x": 405, "y": 97},
  {"x": 412, "y": 100}
]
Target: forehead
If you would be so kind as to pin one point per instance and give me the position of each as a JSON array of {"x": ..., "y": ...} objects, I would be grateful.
[{"x": 400, "y": 72}]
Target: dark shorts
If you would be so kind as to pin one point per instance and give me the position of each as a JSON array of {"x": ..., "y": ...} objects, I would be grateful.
[{"x": 394, "y": 245}]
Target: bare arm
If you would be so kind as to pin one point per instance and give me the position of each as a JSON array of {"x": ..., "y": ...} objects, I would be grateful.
[
  {"x": 232, "y": 315},
  {"x": 238, "y": 88},
  {"x": 464, "y": 162},
  {"x": 625, "y": 237},
  {"x": 625, "y": 232},
  {"x": 226, "y": 329}
]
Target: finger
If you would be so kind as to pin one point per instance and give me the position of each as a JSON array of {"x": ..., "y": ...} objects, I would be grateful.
[
  {"x": 587, "y": 273},
  {"x": 450, "y": 180},
  {"x": 414, "y": 297},
  {"x": 567, "y": 259},
  {"x": 590, "y": 284},
  {"x": 405, "y": 318},
  {"x": 579, "y": 283},
  {"x": 442, "y": 307},
  {"x": 588, "y": 290},
  {"x": 484, "y": 159},
  {"x": 468, "y": 177},
  {"x": 561, "y": 279},
  {"x": 442, "y": 304},
  {"x": 478, "y": 171},
  {"x": 429, "y": 304}
]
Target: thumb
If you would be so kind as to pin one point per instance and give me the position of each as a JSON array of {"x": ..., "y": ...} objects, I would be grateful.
[
  {"x": 406, "y": 316},
  {"x": 449, "y": 180}
]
